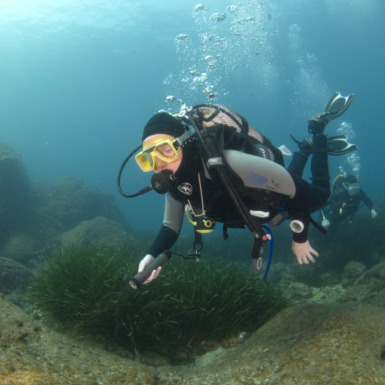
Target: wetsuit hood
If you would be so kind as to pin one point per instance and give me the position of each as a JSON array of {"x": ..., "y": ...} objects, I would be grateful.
[{"x": 163, "y": 123}]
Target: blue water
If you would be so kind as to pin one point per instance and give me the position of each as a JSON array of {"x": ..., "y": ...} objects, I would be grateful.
[{"x": 79, "y": 79}]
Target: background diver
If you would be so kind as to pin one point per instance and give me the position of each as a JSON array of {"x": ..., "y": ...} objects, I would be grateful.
[
  {"x": 346, "y": 199},
  {"x": 210, "y": 162}
]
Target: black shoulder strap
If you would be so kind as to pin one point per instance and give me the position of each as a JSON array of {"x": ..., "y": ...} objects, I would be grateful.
[{"x": 215, "y": 162}]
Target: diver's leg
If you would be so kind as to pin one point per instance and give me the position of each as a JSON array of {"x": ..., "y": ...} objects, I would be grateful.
[
  {"x": 298, "y": 164},
  {"x": 318, "y": 146},
  {"x": 320, "y": 188}
]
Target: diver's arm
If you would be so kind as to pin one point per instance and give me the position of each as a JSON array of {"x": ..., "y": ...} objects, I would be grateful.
[
  {"x": 169, "y": 232},
  {"x": 366, "y": 200},
  {"x": 173, "y": 213},
  {"x": 299, "y": 210},
  {"x": 301, "y": 237},
  {"x": 261, "y": 173},
  {"x": 167, "y": 235},
  {"x": 164, "y": 240},
  {"x": 301, "y": 246},
  {"x": 369, "y": 203}
]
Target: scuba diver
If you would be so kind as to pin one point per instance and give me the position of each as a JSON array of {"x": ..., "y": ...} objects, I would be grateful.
[
  {"x": 212, "y": 164},
  {"x": 346, "y": 199}
]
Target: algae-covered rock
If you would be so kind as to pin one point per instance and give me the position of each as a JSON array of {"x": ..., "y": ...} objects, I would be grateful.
[
  {"x": 34, "y": 216},
  {"x": 67, "y": 202},
  {"x": 14, "y": 191},
  {"x": 13, "y": 275},
  {"x": 313, "y": 344},
  {"x": 33, "y": 354},
  {"x": 352, "y": 271},
  {"x": 24, "y": 247},
  {"x": 369, "y": 286},
  {"x": 98, "y": 231}
]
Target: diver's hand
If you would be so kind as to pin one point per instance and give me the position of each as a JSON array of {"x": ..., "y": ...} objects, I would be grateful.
[
  {"x": 373, "y": 213},
  {"x": 144, "y": 263},
  {"x": 304, "y": 252}
]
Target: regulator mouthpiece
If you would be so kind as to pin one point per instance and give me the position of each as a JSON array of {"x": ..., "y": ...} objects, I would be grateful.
[{"x": 161, "y": 181}]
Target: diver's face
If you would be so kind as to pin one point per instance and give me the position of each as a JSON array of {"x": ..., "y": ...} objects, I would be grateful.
[
  {"x": 352, "y": 188},
  {"x": 166, "y": 156}
]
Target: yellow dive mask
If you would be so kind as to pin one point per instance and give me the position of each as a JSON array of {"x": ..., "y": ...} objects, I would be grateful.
[{"x": 163, "y": 147}]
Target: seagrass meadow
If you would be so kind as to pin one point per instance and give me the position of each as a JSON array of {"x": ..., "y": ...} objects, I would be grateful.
[{"x": 85, "y": 289}]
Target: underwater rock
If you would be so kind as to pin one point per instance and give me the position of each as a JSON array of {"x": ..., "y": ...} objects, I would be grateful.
[
  {"x": 327, "y": 294},
  {"x": 352, "y": 271},
  {"x": 369, "y": 286},
  {"x": 303, "y": 344},
  {"x": 376, "y": 272},
  {"x": 14, "y": 191},
  {"x": 338, "y": 343},
  {"x": 33, "y": 354},
  {"x": 328, "y": 278},
  {"x": 98, "y": 231},
  {"x": 13, "y": 275},
  {"x": 33, "y": 215},
  {"x": 24, "y": 248},
  {"x": 69, "y": 201},
  {"x": 298, "y": 291},
  {"x": 54, "y": 209}
]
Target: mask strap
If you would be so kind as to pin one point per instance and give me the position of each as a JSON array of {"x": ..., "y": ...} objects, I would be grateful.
[{"x": 181, "y": 139}]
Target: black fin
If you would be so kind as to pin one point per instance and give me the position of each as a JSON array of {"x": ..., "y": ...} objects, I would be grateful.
[
  {"x": 336, "y": 106},
  {"x": 338, "y": 145}
]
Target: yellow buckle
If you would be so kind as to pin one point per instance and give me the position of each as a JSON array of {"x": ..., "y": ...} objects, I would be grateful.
[{"x": 202, "y": 225}]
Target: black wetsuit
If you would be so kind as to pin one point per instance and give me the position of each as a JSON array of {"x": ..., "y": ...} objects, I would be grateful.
[
  {"x": 202, "y": 190},
  {"x": 344, "y": 206}
]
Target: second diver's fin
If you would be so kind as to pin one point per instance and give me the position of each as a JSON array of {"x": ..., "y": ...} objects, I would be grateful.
[
  {"x": 338, "y": 104},
  {"x": 338, "y": 145}
]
